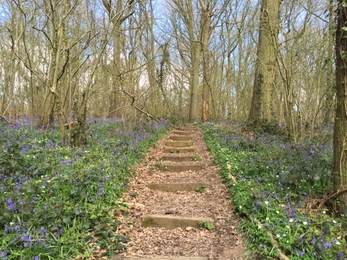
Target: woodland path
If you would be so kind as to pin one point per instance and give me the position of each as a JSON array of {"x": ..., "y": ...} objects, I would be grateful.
[{"x": 175, "y": 188}]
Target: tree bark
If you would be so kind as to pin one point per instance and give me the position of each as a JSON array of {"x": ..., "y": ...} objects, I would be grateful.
[
  {"x": 261, "y": 109},
  {"x": 206, "y": 33},
  {"x": 329, "y": 98},
  {"x": 193, "y": 112},
  {"x": 340, "y": 129}
]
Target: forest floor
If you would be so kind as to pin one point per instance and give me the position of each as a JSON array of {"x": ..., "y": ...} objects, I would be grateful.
[{"x": 220, "y": 241}]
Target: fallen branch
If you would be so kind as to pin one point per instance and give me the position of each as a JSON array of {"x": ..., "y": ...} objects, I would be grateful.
[
  {"x": 331, "y": 196},
  {"x": 273, "y": 241},
  {"x": 230, "y": 176},
  {"x": 4, "y": 118}
]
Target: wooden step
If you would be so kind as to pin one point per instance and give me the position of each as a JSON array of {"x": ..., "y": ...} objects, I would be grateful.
[
  {"x": 179, "y": 144},
  {"x": 172, "y": 222},
  {"x": 180, "y": 132},
  {"x": 180, "y": 168},
  {"x": 180, "y": 138},
  {"x": 174, "y": 187},
  {"x": 173, "y": 158},
  {"x": 161, "y": 258},
  {"x": 187, "y": 128},
  {"x": 179, "y": 150}
]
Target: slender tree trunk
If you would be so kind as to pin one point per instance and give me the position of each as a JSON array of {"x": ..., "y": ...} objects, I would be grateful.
[
  {"x": 115, "y": 89},
  {"x": 329, "y": 99},
  {"x": 340, "y": 130},
  {"x": 154, "y": 79},
  {"x": 266, "y": 63},
  {"x": 53, "y": 84},
  {"x": 115, "y": 16},
  {"x": 193, "y": 112},
  {"x": 206, "y": 32}
]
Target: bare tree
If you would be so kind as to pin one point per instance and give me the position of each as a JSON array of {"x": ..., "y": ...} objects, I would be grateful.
[
  {"x": 118, "y": 13},
  {"x": 186, "y": 33},
  {"x": 56, "y": 60},
  {"x": 261, "y": 109},
  {"x": 206, "y": 34}
]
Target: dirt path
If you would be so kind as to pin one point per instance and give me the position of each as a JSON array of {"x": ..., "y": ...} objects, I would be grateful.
[{"x": 211, "y": 203}]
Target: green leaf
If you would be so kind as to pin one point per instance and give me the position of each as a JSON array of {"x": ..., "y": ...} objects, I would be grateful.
[
  {"x": 86, "y": 225},
  {"x": 102, "y": 243},
  {"x": 326, "y": 227},
  {"x": 110, "y": 253},
  {"x": 122, "y": 239},
  {"x": 116, "y": 224},
  {"x": 120, "y": 247},
  {"x": 103, "y": 234},
  {"x": 88, "y": 239}
]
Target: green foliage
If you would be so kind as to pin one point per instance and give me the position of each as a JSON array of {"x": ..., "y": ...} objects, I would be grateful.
[
  {"x": 205, "y": 224},
  {"x": 273, "y": 186},
  {"x": 58, "y": 202},
  {"x": 201, "y": 189}
]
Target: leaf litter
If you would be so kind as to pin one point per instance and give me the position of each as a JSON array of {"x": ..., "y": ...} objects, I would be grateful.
[{"x": 223, "y": 242}]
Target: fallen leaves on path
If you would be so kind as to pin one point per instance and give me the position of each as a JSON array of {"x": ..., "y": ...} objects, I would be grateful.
[{"x": 223, "y": 242}]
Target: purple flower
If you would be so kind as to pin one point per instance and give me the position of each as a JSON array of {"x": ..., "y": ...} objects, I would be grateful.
[
  {"x": 313, "y": 241},
  {"x": 25, "y": 237},
  {"x": 11, "y": 205},
  {"x": 3, "y": 254},
  {"x": 327, "y": 245},
  {"x": 59, "y": 230},
  {"x": 25, "y": 149},
  {"x": 42, "y": 231}
]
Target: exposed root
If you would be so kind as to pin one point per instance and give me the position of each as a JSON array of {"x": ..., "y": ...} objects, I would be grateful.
[{"x": 317, "y": 205}]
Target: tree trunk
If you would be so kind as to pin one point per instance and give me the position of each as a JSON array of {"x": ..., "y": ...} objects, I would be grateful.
[
  {"x": 261, "y": 109},
  {"x": 329, "y": 98},
  {"x": 115, "y": 89},
  {"x": 340, "y": 130},
  {"x": 53, "y": 84},
  {"x": 193, "y": 112},
  {"x": 206, "y": 31}
]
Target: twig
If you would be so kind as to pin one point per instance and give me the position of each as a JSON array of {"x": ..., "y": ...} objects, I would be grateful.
[
  {"x": 230, "y": 176},
  {"x": 133, "y": 100}
]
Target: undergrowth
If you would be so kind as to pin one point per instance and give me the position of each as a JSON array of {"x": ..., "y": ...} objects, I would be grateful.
[
  {"x": 275, "y": 188},
  {"x": 58, "y": 202}
]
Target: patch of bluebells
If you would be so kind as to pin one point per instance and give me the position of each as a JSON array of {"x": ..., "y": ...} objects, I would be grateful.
[
  {"x": 295, "y": 166},
  {"x": 275, "y": 178},
  {"x": 23, "y": 237},
  {"x": 4, "y": 254},
  {"x": 51, "y": 185}
]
